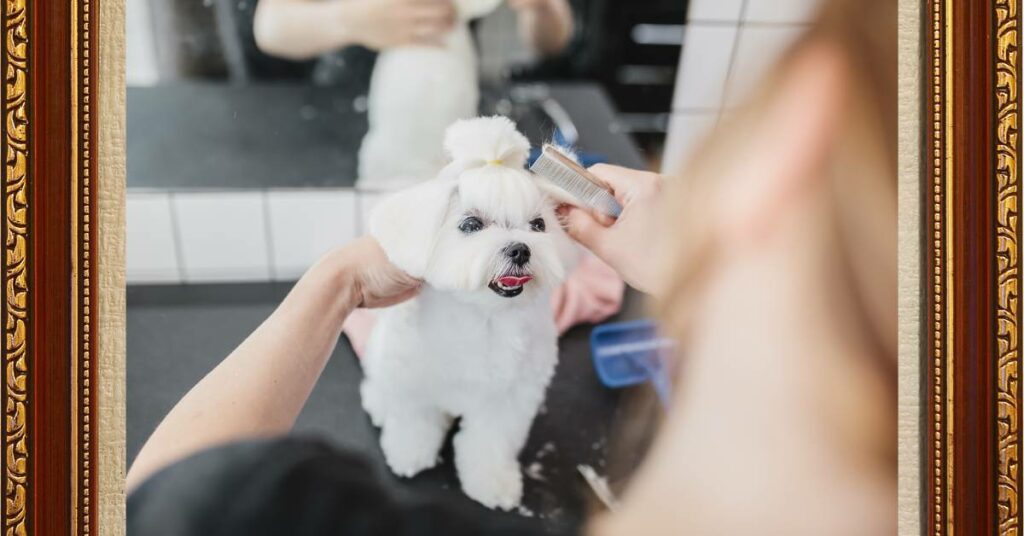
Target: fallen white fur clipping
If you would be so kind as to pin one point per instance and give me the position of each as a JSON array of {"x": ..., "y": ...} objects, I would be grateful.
[{"x": 600, "y": 486}]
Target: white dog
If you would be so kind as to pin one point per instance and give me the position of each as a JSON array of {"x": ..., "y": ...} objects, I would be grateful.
[
  {"x": 479, "y": 342},
  {"x": 415, "y": 93}
]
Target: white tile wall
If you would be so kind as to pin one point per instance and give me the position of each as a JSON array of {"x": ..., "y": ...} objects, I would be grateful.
[
  {"x": 781, "y": 11},
  {"x": 715, "y": 10},
  {"x": 758, "y": 48},
  {"x": 223, "y": 236},
  {"x": 686, "y": 130},
  {"x": 728, "y": 46},
  {"x": 205, "y": 237},
  {"x": 305, "y": 224},
  {"x": 140, "y": 52},
  {"x": 704, "y": 66},
  {"x": 151, "y": 256}
]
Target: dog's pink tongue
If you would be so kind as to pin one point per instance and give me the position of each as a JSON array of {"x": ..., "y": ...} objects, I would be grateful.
[{"x": 513, "y": 281}]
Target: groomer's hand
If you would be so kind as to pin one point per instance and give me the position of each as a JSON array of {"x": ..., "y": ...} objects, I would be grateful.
[
  {"x": 375, "y": 281},
  {"x": 381, "y": 24},
  {"x": 626, "y": 243}
]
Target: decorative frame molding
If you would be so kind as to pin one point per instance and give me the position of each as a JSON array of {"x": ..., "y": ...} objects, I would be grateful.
[
  {"x": 15, "y": 267},
  {"x": 48, "y": 267},
  {"x": 971, "y": 446},
  {"x": 1008, "y": 274},
  {"x": 83, "y": 255},
  {"x": 972, "y": 480}
]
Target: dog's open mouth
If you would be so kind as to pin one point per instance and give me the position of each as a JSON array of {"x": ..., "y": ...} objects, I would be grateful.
[{"x": 510, "y": 286}]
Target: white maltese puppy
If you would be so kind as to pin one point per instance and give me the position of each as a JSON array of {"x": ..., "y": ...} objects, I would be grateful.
[
  {"x": 479, "y": 342},
  {"x": 415, "y": 93}
]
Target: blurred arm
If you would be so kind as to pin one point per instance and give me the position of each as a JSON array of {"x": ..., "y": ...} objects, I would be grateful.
[{"x": 302, "y": 29}]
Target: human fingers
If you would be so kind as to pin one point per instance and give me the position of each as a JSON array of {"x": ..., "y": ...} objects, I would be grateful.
[
  {"x": 626, "y": 182},
  {"x": 582, "y": 227},
  {"x": 382, "y": 284},
  {"x": 379, "y": 282},
  {"x": 394, "y": 299}
]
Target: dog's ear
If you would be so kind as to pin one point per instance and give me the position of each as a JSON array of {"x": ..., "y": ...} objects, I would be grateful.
[{"x": 407, "y": 222}]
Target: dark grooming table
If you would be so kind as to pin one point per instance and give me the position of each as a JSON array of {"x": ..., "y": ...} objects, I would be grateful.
[
  {"x": 177, "y": 334},
  {"x": 188, "y": 136}
]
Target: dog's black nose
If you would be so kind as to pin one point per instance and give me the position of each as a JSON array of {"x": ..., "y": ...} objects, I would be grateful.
[{"x": 518, "y": 253}]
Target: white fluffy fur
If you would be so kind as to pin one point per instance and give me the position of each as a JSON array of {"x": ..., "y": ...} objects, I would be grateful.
[
  {"x": 415, "y": 93},
  {"x": 459, "y": 349}
]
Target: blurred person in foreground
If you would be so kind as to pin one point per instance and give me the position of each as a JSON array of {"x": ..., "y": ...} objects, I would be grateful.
[
  {"x": 776, "y": 273},
  {"x": 774, "y": 269}
]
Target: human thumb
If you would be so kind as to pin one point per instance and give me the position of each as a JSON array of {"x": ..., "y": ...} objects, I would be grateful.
[{"x": 582, "y": 227}]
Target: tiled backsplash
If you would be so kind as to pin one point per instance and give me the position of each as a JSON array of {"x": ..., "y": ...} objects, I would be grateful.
[
  {"x": 728, "y": 45},
  {"x": 263, "y": 235},
  {"x": 305, "y": 224},
  {"x": 152, "y": 254},
  {"x": 223, "y": 237},
  {"x": 706, "y": 57}
]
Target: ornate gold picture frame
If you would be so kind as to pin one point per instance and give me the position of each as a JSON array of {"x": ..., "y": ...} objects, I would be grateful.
[
  {"x": 62, "y": 227},
  {"x": 970, "y": 281},
  {"x": 63, "y": 305}
]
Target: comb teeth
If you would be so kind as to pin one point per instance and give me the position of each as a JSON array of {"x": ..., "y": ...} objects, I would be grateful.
[{"x": 576, "y": 183}]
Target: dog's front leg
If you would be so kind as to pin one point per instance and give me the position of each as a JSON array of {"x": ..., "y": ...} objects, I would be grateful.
[
  {"x": 411, "y": 437},
  {"x": 487, "y": 451}
]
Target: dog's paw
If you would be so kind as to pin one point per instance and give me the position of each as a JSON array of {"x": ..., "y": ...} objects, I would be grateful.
[
  {"x": 499, "y": 487},
  {"x": 409, "y": 462},
  {"x": 410, "y": 447}
]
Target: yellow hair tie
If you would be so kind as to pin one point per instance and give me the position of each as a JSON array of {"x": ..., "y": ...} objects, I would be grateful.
[{"x": 494, "y": 162}]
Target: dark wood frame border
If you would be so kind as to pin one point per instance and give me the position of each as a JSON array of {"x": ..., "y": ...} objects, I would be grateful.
[
  {"x": 971, "y": 106},
  {"x": 49, "y": 65},
  {"x": 971, "y": 187}
]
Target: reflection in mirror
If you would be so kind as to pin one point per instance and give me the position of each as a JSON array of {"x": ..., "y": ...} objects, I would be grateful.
[
  {"x": 231, "y": 94},
  {"x": 261, "y": 134},
  {"x": 469, "y": 351}
]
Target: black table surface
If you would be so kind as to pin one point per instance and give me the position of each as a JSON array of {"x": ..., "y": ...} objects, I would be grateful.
[
  {"x": 176, "y": 334},
  {"x": 220, "y": 136}
]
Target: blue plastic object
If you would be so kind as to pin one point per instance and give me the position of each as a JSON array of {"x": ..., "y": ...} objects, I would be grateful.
[
  {"x": 586, "y": 159},
  {"x": 631, "y": 353}
]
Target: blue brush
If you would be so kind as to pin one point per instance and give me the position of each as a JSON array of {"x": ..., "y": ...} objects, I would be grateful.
[{"x": 631, "y": 353}]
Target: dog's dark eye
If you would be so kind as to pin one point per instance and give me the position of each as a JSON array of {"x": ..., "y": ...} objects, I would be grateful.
[
  {"x": 471, "y": 224},
  {"x": 538, "y": 225}
]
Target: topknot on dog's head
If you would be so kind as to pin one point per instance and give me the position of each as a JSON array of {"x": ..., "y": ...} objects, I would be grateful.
[{"x": 487, "y": 140}]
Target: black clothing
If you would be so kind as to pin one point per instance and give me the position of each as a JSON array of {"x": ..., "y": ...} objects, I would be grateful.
[{"x": 299, "y": 487}]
